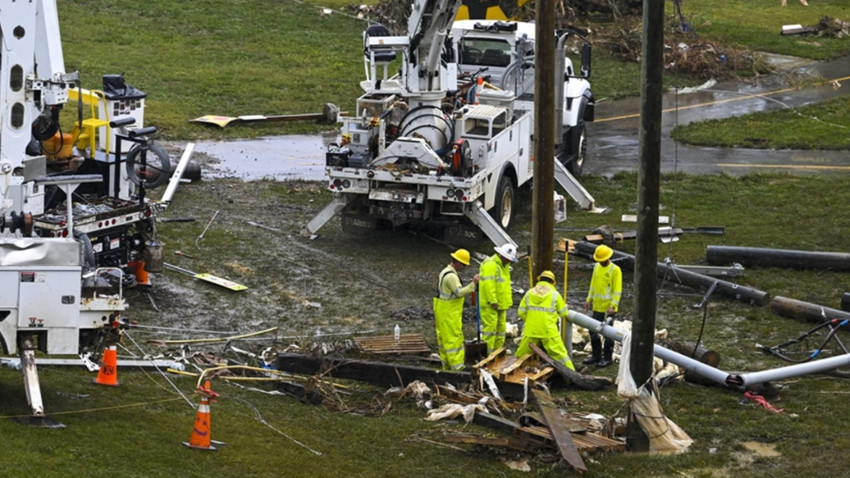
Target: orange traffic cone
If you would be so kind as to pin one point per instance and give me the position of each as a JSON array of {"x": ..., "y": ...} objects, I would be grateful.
[
  {"x": 141, "y": 274},
  {"x": 108, "y": 373},
  {"x": 201, "y": 438}
]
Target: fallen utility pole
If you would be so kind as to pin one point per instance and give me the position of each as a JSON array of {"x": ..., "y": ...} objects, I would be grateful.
[
  {"x": 377, "y": 373},
  {"x": 684, "y": 277},
  {"x": 797, "y": 309},
  {"x": 757, "y": 256},
  {"x": 740, "y": 380}
]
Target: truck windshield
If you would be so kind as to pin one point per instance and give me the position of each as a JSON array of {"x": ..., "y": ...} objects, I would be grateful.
[{"x": 485, "y": 52}]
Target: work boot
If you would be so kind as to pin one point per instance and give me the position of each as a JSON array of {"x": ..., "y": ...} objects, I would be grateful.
[
  {"x": 591, "y": 360},
  {"x": 603, "y": 363}
]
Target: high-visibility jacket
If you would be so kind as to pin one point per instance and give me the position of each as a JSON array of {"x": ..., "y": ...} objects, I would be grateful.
[
  {"x": 606, "y": 287},
  {"x": 448, "y": 315},
  {"x": 540, "y": 308},
  {"x": 494, "y": 284}
]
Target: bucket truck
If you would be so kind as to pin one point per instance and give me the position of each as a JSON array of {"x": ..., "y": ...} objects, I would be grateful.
[
  {"x": 70, "y": 224},
  {"x": 449, "y": 136}
]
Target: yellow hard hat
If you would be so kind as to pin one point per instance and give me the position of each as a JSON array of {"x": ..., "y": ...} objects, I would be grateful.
[
  {"x": 602, "y": 253},
  {"x": 548, "y": 275},
  {"x": 462, "y": 256}
]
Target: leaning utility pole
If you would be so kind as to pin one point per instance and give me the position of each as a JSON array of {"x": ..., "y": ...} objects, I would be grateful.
[
  {"x": 543, "y": 209},
  {"x": 649, "y": 173}
]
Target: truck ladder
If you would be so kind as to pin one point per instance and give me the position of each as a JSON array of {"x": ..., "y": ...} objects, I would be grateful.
[
  {"x": 575, "y": 189},
  {"x": 488, "y": 225}
]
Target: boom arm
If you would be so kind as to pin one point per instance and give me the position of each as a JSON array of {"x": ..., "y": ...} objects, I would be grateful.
[
  {"x": 34, "y": 87},
  {"x": 428, "y": 27}
]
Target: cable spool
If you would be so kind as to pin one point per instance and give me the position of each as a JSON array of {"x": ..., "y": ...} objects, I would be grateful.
[{"x": 158, "y": 168}]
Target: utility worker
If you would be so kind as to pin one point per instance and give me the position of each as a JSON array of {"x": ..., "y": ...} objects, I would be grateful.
[
  {"x": 495, "y": 295},
  {"x": 603, "y": 298},
  {"x": 541, "y": 308},
  {"x": 448, "y": 310}
]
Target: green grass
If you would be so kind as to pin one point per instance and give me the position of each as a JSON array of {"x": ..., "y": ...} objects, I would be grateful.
[
  {"x": 265, "y": 57},
  {"x": 824, "y": 125},
  {"x": 756, "y": 25}
]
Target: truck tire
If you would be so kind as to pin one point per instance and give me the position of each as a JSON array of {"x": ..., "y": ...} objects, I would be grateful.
[
  {"x": 158, "y": 168},
  {"x": 575, "y": 150},
  {"x": 503, "y": 209}
]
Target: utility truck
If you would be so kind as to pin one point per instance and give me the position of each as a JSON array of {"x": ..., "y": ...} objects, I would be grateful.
[
  {"x": 75, "y": 225},
  {"x": 443, "y": 133}
]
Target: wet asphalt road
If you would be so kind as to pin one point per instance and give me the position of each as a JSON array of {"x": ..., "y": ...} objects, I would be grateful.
[{"x": 613, "y": 137}]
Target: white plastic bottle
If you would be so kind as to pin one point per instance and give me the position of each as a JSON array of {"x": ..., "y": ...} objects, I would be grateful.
[{"x": 397, "y": 332}]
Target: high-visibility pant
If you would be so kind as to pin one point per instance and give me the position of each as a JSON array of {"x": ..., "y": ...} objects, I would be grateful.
[
  {"x": 553, "y": 346},
  {"x": 449, "y": 325},
  {"x": 493, "y": 326}
]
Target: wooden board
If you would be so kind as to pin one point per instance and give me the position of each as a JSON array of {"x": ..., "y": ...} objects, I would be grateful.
[
  {"x": 387, "y": 344},
  {"x": 560, "y": 433}
]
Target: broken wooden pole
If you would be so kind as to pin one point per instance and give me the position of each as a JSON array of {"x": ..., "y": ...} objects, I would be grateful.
[
  {"x": 377, "y": 373},
  {"x": 797, "y": 309},
  {"x": 697, "y": 352},
  {"x": 684, "y": 277},
  {"x": 557, "y": 425},
  {"x": 584, "y": 382},
  {"x": 757, "y": 256}
]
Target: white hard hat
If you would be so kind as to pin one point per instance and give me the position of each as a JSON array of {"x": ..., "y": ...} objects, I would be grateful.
[{"x": 508, "y": 251}]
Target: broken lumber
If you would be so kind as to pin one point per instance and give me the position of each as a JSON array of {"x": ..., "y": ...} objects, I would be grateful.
[
  {"x": 377, "y": 373},
  {"x": 584, "y": 382},
  {"x": 797, "y": 309},
  {"x": 513, "y": 443},
  {"x": 681, "y": 276},
  {"x": 560, "y": 432},
  {"x": 758, "y": 256}
]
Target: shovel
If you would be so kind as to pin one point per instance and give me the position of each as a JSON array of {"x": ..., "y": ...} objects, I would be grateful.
[{"x": 227, "y": 284}]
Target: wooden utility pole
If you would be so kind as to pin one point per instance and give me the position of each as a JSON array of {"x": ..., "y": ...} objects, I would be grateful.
[
  {"x": 646, "y": 247},
  {"x": 543, "y": 209}
]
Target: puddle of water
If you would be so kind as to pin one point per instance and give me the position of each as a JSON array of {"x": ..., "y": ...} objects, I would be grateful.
[{"x": 278, "y": 158}]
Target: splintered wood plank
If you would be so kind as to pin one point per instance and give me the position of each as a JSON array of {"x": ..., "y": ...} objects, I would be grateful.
[
  {"x": 560, "y": 432},
  {"x": 387, "y": 344}
]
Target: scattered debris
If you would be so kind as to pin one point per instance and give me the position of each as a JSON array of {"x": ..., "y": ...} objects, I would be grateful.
[
  {"x": 226, "y": 283},
  {"x": 328, "y": 116},
  {"x": 198, "y": 239}
]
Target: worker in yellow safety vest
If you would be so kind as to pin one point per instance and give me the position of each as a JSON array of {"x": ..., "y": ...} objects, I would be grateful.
[
  {"x": 495, "y": 295},
  {"x": 448, "y": 310},
  {"x": 603, "y": 299},
  {"x": 541, "y": 308}
]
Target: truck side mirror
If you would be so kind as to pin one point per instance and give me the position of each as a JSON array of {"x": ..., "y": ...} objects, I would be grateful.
[{"x": 585, "y": 60}]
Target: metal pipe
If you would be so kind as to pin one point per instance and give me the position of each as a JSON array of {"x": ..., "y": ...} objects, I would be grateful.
[
  {"x": 738, "y": 380},
  {"x": 683, "y": 361}
]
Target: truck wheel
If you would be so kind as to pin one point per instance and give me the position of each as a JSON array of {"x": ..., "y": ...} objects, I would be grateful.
[
  {"x": 578, "y": 147},
  {"x": 503, "y": 210}
]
